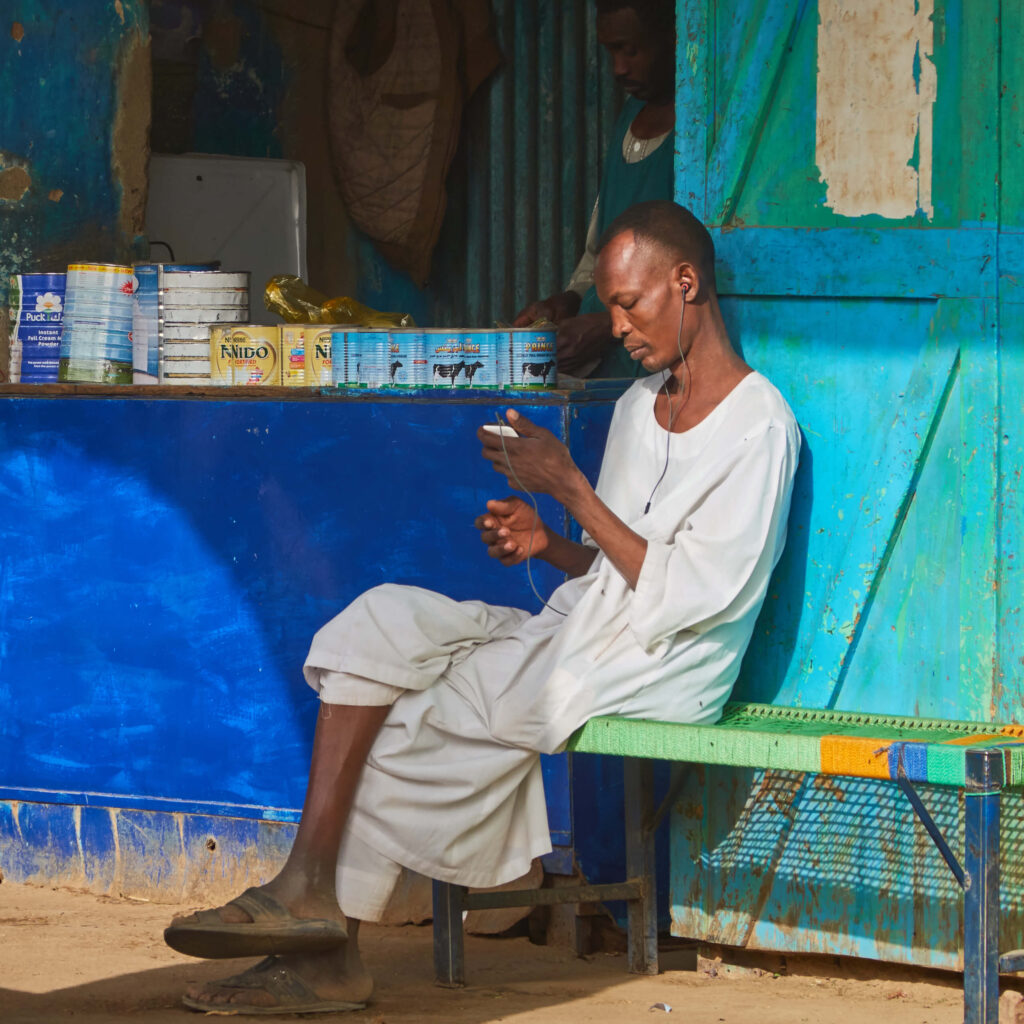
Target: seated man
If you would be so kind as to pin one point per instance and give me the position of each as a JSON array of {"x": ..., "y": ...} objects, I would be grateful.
[{"x": 434, "y": 712}]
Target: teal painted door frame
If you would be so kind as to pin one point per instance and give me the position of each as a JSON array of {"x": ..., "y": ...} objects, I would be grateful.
[{"x": 868, "y": 264}]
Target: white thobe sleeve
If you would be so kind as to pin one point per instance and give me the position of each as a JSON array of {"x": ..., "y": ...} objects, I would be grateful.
[{"x": 725, "y": 549}]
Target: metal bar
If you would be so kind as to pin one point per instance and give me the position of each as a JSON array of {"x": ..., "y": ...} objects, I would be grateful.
[
  {"x": 1012, "y": 963},
  {"x": 984, "y": 780},
  {"x": 449, "y": 948},
  {"x": 932, "y": 829},
  {"x": 678, "y": 781},
  {"x": 630, "y": 890},
  {"x": 643, "y": 911}
]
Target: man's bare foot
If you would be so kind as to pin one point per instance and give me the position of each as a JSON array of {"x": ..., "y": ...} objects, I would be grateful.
[{"x": 295, "y": 983}]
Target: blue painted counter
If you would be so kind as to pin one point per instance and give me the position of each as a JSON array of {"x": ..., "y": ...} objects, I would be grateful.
[{"x": 165, "y": 560}]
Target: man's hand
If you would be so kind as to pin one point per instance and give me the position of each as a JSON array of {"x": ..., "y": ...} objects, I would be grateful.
[
  {"x": 506, "y": 529},
  {"x": 555, "y": 308},
  {"x": 534, "y": 461},
  {"x": 582, "y": 341}
]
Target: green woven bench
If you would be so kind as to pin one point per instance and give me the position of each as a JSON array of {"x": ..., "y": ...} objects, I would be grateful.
[{"x": 980, "y": 758}]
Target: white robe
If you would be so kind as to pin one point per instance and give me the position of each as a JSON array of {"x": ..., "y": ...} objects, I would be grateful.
[{"x": 452, "y": 787}]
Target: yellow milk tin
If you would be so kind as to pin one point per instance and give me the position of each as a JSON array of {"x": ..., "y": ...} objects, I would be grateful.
[
  {"x": 245, "y": 354},
  {"x": 293, "y": 355},
  {"x": 319, "y": 370}
]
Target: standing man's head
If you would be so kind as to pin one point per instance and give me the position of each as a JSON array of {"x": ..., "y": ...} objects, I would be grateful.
[
  {"x": 651, "y": 259},
  {"x": 639, "y": 36}
]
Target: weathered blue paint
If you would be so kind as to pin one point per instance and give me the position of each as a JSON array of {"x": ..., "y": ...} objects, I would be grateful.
[
  {"x": 61, "y": 75},
  {"x": 242, "y": 80},
  {"x": 899, "y": 590},
  {"x": 166, "y": 563},
  {"x": 148, "y": 854}
]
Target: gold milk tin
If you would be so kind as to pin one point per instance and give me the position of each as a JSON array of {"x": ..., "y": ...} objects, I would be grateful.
[
  {"x": 319, "y": 369},
  {"x": 245, "y": 354},
  {"x": 293, "y": 355}
]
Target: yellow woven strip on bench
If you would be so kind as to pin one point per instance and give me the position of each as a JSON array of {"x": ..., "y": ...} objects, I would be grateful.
[
  {"x": 983, "y": 739},
  {"x": 702, "y": 744},
  {"x": 863, "y": 757}
]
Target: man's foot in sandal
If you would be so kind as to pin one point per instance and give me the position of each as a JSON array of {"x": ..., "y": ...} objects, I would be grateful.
[
  {"x": 260, "y": 921},
  {"x": 329, "y": 982}
]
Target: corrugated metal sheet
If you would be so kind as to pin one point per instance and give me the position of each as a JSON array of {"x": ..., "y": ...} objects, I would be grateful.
[{"x": 524, "y": 179}]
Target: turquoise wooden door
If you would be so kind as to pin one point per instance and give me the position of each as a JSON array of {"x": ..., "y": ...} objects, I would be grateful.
[{"x": 846, "y": 155}]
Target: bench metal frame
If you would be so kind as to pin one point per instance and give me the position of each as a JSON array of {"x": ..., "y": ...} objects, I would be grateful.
[{"x": 978, "y": 877}]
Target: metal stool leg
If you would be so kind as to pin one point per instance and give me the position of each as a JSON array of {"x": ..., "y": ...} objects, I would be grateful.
[
  {"x": 640, "y": 865},
  {"x": 449, "y": 949},
  {"x": 985, "y": 776}
]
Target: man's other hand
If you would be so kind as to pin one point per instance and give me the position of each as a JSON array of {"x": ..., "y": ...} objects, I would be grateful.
[
  {"x": 582, "y": 342},
  {"x": 506, "y": 528},
  {"x": 555, "y": 308}
]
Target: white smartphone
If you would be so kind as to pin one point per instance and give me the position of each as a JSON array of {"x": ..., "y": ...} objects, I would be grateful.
[{"x": 500, "y": 428}]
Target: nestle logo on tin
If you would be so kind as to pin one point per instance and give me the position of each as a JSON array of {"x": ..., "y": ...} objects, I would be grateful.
[
  {"x": 243, "y": 351},
  {"x": 322, "y": 351}
]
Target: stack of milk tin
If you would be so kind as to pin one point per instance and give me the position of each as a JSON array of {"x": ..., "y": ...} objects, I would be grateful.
[
  {"x": 175, "y": 307},
  {"x": 36, "y": 318},
  {"x": 96, "y": 344},
  {"x": 443, "y": 358}
]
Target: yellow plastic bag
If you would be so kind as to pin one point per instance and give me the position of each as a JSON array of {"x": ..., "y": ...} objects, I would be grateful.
[{"x": 292, "y": 299}]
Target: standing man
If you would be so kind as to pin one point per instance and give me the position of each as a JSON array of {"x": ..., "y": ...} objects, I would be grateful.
[{"x": 639, "y": 36}]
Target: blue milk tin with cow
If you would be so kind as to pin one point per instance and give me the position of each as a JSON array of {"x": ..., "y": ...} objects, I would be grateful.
[
  {"x": 534, "y": 363},
  {"x": 37, "y": 320},
  {"x": 485, "y": 358},
  {"x": 406, "y": 360},
  {"x": 446, "y": 359},
  {"x": 367, "y": 359}
]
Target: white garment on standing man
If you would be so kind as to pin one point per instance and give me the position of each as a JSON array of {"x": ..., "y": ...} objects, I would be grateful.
[{"x": 452, "y": 788}]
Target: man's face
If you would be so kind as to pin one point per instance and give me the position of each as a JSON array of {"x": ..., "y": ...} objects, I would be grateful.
[
  {"x": 641, "y": 64},
  {"x": 641, "y": 289}
]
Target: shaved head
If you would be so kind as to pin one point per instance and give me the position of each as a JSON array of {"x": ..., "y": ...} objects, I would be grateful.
[{"x": 666, "y": 229}]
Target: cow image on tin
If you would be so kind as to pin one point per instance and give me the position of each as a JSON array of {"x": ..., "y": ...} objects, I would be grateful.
[
  {"x": 470, "y": 371},
  {"x": 538, "y": 370},
  {"x": 448, "y": 371}
]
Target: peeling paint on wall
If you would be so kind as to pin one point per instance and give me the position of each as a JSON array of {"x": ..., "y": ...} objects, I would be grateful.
[
  {"x": 876, "y": 90},
  {"x": 14, "y": 182}
]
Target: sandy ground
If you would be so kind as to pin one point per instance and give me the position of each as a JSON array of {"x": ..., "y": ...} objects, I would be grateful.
[{"x": 96, "y": 959}]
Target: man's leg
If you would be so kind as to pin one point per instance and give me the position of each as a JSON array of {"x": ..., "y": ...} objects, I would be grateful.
[{"x": 306, "y": 883}]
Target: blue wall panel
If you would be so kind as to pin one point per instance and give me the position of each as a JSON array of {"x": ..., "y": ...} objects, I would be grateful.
[{"x": 165, "y": 563}]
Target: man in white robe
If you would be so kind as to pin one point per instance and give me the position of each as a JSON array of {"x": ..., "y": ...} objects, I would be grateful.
[{"x": 434, "y": 712}]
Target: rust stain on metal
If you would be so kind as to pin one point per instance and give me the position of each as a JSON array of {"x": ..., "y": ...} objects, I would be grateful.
[
  {"x": 828, "y": 784},
  {"x": 17, "y": 31},
  {"x": 119, "y": 7},
  {"x": 14, "y": 183},
  {"x": 55, "y": 195}
]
